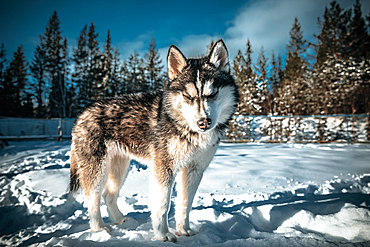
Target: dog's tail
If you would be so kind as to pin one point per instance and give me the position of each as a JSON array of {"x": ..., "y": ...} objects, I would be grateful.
[{"x": 74, "y": 182}]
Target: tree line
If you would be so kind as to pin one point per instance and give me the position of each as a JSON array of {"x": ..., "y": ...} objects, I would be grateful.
[
  {"x": 59, "y": 84},
  {"x": 327, "y": 77},
  {"x": 330, "y": 76}
]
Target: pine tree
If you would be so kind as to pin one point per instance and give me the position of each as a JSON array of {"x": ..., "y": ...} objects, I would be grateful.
[
  {"x": 366, "y": 87},
  {"x": 165, "y": 79},
  {"x": 54, "y": 47},
  {"x": 27, "y": 105},
  {"x": 72, "y": 101},
  {"x": 367, "y": 39},
  {"x": 239, "y": 68},
  {"x": 133, "y": 71},
  {"x": 16, "y": 83},
  {"x": 3, "y": 65},
  {"x": 124, "y": 87},
  {"x": 153, "y": 67},
  {"x": 253, "y": 95},
  {"x": 3, "y": 77},
  {"x": 65, "y": 85},
  {"x": 242, "y": 66},
  {"x": 274, "y": 79},
  {"x": 80, "y": 74},
  {"x": 143, "y": 85},
  {"x": 246, "y": 80},
  {"x": 296, "y": 48},
  {"x": 357, "y": 86},
  {"x": 263, "y": 87},
  {"x": 342, "y": 73},
  {"x": 294, "y": 71},
  {"x": 248, "y": 61},
  {"x": 274, "y": 72},
  {"x": 332, "y": 38},
  {"x": 94, "y": 69},
  {"x": 357, "y": 35},
  {"x": 107, "y": 72},
  {"x": 8, "y": 89},
  {"x": 261, "y": 65},
  {"x": 116, "y": 79},
  {"x": 38, "y": 71}
]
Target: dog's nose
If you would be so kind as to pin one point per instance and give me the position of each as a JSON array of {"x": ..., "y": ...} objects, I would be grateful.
[{"x": 204, "y": 123}]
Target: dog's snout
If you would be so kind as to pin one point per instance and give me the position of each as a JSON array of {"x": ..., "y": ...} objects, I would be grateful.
[{"x": 204, "y": 123}]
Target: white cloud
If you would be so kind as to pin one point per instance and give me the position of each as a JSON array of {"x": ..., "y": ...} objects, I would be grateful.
[
  {"x": 140, "y": 45},
  {"x": 264, "y": 22},
  {"x": 268, "y": 23}
]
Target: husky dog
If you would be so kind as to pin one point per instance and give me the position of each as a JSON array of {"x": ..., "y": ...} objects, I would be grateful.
[{"x": 176, "y": 131}]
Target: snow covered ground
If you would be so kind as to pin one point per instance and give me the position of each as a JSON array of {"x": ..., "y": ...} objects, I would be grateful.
[{"x": 251, "y": 195}]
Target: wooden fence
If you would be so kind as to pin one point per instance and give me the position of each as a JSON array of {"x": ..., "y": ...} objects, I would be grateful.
[{"x": 315, "y": 129}]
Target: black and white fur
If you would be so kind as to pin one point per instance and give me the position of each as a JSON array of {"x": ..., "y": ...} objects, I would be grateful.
[{"x": 175, "y": 131}]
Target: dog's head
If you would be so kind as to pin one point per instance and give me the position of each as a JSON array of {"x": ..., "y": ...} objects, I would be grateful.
[{"x": 201, "y": 92}]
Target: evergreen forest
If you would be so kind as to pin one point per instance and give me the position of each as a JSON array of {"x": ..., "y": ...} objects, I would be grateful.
[{"x": 328, "y": 76}]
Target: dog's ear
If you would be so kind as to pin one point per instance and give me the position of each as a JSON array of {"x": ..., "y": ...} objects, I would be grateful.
[
  {"x": 176, "y": 62},
  {"x": 219, "y": 56}
]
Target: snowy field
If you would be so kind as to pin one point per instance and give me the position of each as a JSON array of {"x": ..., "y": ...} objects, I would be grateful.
[{"x": 251, "y": 195}]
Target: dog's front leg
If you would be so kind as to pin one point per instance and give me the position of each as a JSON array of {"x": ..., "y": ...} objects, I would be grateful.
[
  {"x": 160, "y": 196},
  {"x": 187, "y": 184}
]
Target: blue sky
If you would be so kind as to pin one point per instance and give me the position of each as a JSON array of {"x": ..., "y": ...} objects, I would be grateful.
[{"x": 190, "y": 25}]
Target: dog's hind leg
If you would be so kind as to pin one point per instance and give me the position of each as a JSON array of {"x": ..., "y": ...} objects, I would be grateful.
[
  {"x": 93, "y": 191},
  {"x": 119, "y": 167},
  {"x": 96, "y": 221}
]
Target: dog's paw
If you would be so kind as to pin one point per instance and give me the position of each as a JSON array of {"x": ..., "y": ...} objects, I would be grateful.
[
  {"x": 183, "y": 232},
  {"x": 123, "y": 220},
  {"x": 102, "y": 228},
  {"x": 166, "y": 237}
]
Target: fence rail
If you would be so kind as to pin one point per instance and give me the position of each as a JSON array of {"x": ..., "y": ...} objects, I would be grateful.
[
  {"x": 23, "y": 129},
  {"x": 316, "y": 128},
  {"x": 35, "y": 137}
]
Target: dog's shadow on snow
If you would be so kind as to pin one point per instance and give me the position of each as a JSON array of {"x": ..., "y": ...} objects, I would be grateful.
[
  {"x": 284, "y": 205},
  {"x": 281, "y": 207}
]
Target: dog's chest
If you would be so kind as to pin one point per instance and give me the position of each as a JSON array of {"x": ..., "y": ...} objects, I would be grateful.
[{"x": 199, "y": 151}]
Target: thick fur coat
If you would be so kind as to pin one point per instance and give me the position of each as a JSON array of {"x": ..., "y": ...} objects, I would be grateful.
[{"x": 175, "y": 131}]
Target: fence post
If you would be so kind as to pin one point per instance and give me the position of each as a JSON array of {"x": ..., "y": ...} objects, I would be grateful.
[
  {"x": 60, "y": 132},
  {"x": 347, "y": 129},
  {"x": 252, "y": 128}
]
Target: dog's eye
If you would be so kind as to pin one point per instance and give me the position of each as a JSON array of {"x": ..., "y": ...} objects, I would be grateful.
[
  {"x": 186, "y": 96},
  {"x": 213, "y": 95}
]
